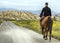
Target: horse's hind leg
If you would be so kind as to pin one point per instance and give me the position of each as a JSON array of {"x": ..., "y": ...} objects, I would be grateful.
[
  {"x": 46, "y": 34},
  {"x": 42, "y": 30},
  {"x": 50, "y": 34}
]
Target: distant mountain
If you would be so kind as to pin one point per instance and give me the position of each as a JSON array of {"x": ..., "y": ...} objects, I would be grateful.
[
  {"x": 3, "y": 9},
  {"x": 17, "y": 15}
]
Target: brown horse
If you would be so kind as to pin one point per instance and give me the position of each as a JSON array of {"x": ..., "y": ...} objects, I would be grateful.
[{"x": 46, "y": 25}]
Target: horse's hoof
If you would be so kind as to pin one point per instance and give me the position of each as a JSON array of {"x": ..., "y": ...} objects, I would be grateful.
[
  {"x": 46, "y": 38},
  {"x": 49, "y": 38},
  {"x": 43, "y": 37}
]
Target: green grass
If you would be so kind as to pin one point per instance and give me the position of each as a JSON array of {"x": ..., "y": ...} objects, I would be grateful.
[
  {"x": 56, "y": 30},
  {"x": 35, "y": 25},
  {"x": 0, "y": 21}
]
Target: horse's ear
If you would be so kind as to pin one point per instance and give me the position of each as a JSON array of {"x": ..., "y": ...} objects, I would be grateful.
[{"x": 52, "y": 17}]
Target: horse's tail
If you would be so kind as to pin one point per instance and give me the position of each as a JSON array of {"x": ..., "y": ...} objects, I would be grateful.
[{"x": 49, "y": 23}]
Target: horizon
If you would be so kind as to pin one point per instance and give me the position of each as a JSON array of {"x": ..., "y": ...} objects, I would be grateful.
[{"x": 33, "y": 5}]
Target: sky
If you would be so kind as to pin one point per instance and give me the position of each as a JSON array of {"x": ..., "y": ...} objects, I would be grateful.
[{"x": 30, "y": 4}]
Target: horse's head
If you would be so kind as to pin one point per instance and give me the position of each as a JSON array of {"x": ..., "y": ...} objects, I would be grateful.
[{"x": 52, "y": 17}]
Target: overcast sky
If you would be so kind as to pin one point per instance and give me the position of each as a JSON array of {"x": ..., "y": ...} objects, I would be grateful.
[{"x": 30, "y": 4}]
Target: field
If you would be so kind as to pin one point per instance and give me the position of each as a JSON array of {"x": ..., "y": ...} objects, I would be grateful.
[
  {"x": 35, "y": 26},
  {"x": 56, "y": 30}
]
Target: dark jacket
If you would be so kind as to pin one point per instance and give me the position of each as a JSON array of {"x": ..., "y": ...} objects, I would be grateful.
[{"x": 46, "y": 11}]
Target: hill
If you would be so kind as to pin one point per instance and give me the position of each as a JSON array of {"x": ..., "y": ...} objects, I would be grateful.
[{"x": 17, "y": 15}]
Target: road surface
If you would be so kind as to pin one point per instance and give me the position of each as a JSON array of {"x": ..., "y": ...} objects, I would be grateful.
[{"x": 11, "y": 33}]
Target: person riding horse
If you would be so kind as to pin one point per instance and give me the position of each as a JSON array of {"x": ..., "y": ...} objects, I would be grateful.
[{"x": 46, "y": 11}]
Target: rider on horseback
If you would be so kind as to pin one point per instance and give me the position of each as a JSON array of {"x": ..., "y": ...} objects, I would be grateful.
[{"x": 46, "y": 11}]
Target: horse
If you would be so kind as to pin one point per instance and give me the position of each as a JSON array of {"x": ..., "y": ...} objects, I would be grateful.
[{"x": 46, "y": 25}]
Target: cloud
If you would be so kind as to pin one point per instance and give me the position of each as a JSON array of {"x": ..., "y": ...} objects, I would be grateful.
[{"x": 21, "y": 2}]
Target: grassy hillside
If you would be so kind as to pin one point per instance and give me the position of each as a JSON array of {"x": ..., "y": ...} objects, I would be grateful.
[
  {"x": 35, "y": 26},
  {"x": 56, "y": 30},
  {"x": 17, "y": 15}
]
